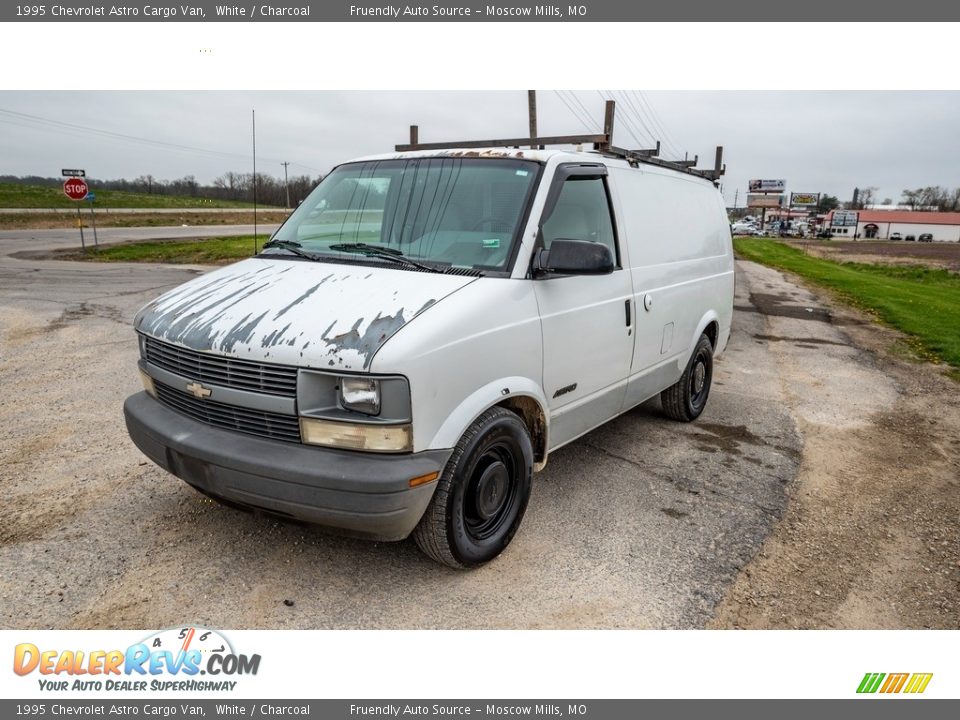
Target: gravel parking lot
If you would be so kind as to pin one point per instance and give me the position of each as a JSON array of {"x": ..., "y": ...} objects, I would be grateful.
[{"x": 644, "y": 523}]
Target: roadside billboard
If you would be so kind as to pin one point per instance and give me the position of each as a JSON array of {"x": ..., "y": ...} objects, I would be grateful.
[
  {"x": 764, "y": 201},
  {"x": 804, "y": 199},
  {"x": 766, "y": 186},
  {"x": 844, "y": 218}
]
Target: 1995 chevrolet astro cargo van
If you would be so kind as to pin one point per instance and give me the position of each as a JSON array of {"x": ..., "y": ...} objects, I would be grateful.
[{"x": 427, "y": 327}]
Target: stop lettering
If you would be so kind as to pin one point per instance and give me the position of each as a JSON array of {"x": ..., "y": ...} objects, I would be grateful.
[{"x": 75, "y": 188}]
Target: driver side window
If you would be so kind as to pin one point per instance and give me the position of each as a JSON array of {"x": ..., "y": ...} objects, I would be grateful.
[{"x": 582, "y": 212}]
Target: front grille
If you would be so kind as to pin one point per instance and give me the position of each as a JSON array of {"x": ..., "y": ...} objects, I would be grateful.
[
  {"x": 230, "y": 417},
  {"x": 218, "y": 370}
]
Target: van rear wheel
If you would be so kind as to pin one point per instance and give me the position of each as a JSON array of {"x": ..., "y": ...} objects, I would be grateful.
[
  {"x": 686, "y": 399},
  {"x": 482, "y": 494}
]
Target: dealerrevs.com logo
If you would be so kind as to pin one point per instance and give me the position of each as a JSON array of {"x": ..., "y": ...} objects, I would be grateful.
[
  {"x": 169, "y": 660},
  {"x": 890, "y": 683}
]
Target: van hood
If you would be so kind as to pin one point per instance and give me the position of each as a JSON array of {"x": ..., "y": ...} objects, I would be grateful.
[{"x": 292, "y": 312}]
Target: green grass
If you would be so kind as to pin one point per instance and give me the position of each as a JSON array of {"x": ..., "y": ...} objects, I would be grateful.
[
  {"x": 14, "y": 195},
  {"x": 189, "y": 252},
  {"x": 922, "y": 302}
]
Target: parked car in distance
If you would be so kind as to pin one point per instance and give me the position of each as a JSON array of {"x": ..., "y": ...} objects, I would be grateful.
[
  {"x": 745, "y": 229},
  {"x": 925, "y": 237},
  {"x": 896, "y": 236},
  {"x": 426, "y": 328},
  {"x": 910, "y": 238}
]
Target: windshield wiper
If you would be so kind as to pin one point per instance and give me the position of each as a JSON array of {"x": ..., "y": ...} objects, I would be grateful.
[
  {"x": 294, "y": 247},
  {"x": 383, "y": 252}
]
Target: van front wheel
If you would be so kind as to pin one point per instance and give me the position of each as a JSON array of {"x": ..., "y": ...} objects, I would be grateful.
[
  {"x": 482, "y": 494},
  {"x": 685, "y": 400}
]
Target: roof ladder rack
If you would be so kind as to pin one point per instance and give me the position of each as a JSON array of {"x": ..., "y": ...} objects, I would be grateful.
[{"x": 602, "y": 143}]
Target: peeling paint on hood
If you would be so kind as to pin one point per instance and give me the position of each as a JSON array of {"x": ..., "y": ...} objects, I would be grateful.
[{"x": 294, "y": 313}]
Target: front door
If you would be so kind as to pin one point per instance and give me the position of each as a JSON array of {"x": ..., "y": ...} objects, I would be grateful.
[{"x": 586, "y": 324}]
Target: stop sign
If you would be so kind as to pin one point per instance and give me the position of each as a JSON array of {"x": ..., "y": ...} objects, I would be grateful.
[{"x": 75, "y": 188}]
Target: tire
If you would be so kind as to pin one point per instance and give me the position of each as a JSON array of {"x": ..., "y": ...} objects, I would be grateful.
[
  {"x": 482, "y": 494},
  {"x": 686, "y": 399}
]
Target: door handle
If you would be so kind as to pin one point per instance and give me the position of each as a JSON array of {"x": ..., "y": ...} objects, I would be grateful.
[{"x": 626, "y": 307}]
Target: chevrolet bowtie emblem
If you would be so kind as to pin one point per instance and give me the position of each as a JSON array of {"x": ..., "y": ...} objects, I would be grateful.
[{"x": 198, "y": 390}]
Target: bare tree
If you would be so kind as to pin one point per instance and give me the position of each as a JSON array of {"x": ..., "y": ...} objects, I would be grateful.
[
  {"x": 954, "y": 199},
  {"x": 866, "y": 197},
  {"x": 912, "y": 198}
]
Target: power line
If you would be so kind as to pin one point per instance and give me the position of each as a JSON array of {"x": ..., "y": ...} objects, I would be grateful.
[
  {"x": 654, "y": 115},
  {"x": 632, "y": 110},
  {"x": 573, "y": 112},
  {"x": 586, "y": 112},
  {"x": 588, "y": 121},
  {"x": 115, "y": 135},
  {"x": 625, "y": 118},
  {"x": 651, "y": 135},
  {"x": 49, "y": 124},
  {"x": 655, "y": 119}
]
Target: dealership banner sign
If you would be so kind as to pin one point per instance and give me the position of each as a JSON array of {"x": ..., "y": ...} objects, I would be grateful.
[
  {"x": 767, "y": 186},
  {"x": 764, "y": 201},
  {"x": 844, "y": 218},
  {"x": 804, "y": 199}
]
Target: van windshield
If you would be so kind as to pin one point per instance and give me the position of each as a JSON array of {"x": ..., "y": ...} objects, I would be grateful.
[{"x": 443, "y": 212}]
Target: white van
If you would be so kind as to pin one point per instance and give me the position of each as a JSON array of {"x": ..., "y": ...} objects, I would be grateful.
[{"x": 426, "y": 328}]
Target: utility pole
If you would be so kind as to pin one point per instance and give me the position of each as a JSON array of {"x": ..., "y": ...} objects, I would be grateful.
[
  {"x": 253, "y": 118},
  {"x": 736, "y": 197},
  {"x": 532, "y": 111},
  {"x": 286, "y": 182}
]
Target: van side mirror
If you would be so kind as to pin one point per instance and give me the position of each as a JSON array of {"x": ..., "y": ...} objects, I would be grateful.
[{"x": 573, "y": 257}]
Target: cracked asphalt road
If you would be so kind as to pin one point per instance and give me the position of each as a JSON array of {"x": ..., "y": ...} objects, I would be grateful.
[{"x": 643, "y": 523}]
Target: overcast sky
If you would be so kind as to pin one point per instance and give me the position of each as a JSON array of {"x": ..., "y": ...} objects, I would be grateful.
[{"x": 818, "y": 141}]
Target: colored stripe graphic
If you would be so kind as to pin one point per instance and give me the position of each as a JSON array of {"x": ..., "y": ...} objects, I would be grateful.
[
  {"x": 870, "y": 682},
  {"x": 918, "y": 683},
  {"x": 894, "y": 682}
]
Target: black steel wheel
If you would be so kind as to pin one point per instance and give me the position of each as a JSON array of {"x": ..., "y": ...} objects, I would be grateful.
[
  {"x": 686, "y": 399},
  {"x": 482, "y": 494}
]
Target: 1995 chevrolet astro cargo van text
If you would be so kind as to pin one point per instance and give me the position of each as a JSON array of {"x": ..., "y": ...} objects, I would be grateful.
[{"x": 427, "y": 327}]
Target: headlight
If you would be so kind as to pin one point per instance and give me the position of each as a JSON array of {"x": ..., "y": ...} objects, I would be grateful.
[
  {"x": 353, "y": 436},
  {"x": 360, "y": 395}
]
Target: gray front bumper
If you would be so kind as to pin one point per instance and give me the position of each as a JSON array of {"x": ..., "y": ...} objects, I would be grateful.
[{"x": 360, "y": 493}]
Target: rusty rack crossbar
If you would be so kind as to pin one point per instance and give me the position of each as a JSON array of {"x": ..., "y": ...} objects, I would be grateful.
[{"x": 603, "y": 143}]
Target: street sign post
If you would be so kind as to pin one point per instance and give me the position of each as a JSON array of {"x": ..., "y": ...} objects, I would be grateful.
[
  {"x": 76, "y": 188},
  {"x": 93, "y": 218}
]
